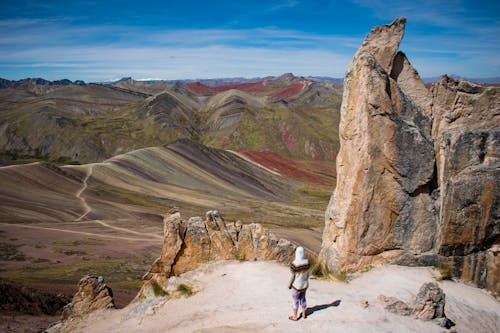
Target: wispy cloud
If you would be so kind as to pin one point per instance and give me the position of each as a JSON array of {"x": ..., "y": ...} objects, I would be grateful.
[
  {"x": 99, "y": 63},
  {"x": 284, "y": 5},
  {"x": 122, "y": 51}
]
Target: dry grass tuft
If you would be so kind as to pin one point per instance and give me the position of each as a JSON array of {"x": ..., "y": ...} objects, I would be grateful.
[
  {"x": 445, "y": 270},
  {"x": 185, "y": 290}
]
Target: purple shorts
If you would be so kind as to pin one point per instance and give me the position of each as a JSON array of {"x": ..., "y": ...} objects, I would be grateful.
[{"x": 299, "y": 298}]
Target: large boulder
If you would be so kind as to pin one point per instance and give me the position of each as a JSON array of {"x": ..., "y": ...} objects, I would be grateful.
[{"x": 417, "y": 171}]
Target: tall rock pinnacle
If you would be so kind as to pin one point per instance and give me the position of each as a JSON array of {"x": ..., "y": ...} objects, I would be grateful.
[
  {"x": 382, "y": 201},
  {"x": 406, "y": 158}
]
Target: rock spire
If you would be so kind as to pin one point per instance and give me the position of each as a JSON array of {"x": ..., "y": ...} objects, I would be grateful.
[{"x": 418, "y": 170}]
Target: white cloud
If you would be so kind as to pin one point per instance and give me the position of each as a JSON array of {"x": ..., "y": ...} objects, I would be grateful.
[{"x": 97, "y": 63}]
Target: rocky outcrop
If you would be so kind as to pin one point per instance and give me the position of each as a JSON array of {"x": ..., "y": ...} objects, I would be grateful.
[
  {"x": 189, "y": 244},
  {"x": 467, "y": 145},
  {"x": 428, "y": 304},
  {"x": 379, "y": 209},
  {"x": 418, "y": 170},
  {"x": 93, "y": 294}
]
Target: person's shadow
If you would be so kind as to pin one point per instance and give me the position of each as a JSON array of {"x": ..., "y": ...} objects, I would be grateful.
[{"x": 315, "y": 308}]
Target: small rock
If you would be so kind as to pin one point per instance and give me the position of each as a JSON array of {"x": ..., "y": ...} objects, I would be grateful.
[
  {"x": 445, "y": 322},
  {"x": 394, "y": 305},
  {"x": 429, "y": 303}
]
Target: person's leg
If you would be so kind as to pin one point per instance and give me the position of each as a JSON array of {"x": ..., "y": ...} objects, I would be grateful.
[
  {"x": 295, "y": 296},
  {"x": 303, "y": 303}
]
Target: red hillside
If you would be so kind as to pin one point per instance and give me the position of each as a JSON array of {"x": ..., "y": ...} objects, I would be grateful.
[
  {"x": 289, "y": 90},
  {"x": 312, "y": 171},
  {"x": 251, "y": 87}
]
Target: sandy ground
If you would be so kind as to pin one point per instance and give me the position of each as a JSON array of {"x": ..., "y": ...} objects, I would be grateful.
[{"x": 253, "y": 297}]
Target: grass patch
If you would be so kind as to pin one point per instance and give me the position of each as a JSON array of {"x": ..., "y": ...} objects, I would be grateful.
[
  {"x": 366, "y": 268},
  {"x": 339, "y": 276},
  {"x": 321, "y": 271},
  {"x": 445, "y": 270},
  {"x": 71, "y": 252},
  {"x": 130, "y": 284},
  {"x": 39, "y": 260},
  {"x": 317, "y": 192},
  {"x": 9, "y": 252},
  {"x": 317, "y": 269},
  {"x": 66, "y": 242},
  {"x": 185, "y": 290},
  {"x": 240, "y": 257},
  {"x": 157, "y": 290}
]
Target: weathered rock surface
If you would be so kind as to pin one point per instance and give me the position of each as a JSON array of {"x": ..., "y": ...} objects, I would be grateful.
[
  {"x": 93, "y": 294},
  {"x": 418, "y": 170},
  {"x": 383, "y": 43},
  {"x": 467, "y": 145},
  {"x": 189, "y": 244},
  {"x": 395, "y": 305},
  {"x": 428, "y": 304},
  {"x": 379, "y": 209},
  {"x": 408, "y": 79}
]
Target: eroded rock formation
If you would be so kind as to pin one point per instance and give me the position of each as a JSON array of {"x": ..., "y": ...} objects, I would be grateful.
[
  {"x": 428, "y": 304},
  {"x": 93, "y": 294},
  {"x": 188, "y": 244},
  {"x": 418, "y": 171},
  {"x": 466, "y": 131}
]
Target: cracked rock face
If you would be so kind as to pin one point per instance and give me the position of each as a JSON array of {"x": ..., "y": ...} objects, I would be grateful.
[
  {"x": 467, "y": 144},
  {"x": 418, "y": 170},
  {"x": 382, "y": 202}
]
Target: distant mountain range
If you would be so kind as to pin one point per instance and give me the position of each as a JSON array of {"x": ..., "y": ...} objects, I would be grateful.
[
  {"x": 4, "y": 83},
  {"x": 74, "y": 122}
]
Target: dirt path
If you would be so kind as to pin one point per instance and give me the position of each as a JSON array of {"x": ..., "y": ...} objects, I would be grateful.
[
  {"x": 87, "y": 208},
  {"x": 134, "y": 239},
  {"x": 104, "y": 224}
]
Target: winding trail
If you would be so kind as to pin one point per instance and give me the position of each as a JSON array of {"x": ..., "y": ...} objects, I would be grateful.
[
  {"x": 104, "y": 224},
  {"x": 79, "y": 232},
  {"x": 88, "y": 209}
]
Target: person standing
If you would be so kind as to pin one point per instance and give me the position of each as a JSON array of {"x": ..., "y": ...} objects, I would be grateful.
[{"x": 299, "y": 282}]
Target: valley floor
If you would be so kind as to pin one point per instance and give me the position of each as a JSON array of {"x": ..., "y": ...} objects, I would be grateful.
[{"x": 253, "y": 297}]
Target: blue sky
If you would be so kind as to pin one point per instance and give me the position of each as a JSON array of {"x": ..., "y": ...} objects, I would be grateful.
[{"x": 107, "y": 40}]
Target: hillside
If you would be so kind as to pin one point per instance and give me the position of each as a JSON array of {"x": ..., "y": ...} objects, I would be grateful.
[
  {"x": 59, "y": 222},
  {"x": 74, "y": 122}
]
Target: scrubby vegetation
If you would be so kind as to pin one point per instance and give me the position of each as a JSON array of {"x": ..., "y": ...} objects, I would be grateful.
[
  {"x": 185, "y": 289},
  {"x": 445, "y": 270},
  {"x": 157, "y": 290},
  {"x": 320, "y": 270}
]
